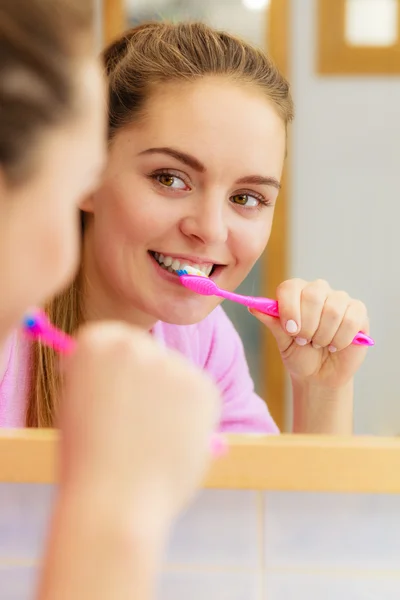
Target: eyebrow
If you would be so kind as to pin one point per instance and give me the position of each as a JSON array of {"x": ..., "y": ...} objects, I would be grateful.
[
  {"x": 195, "y": 164},
  {"x": 184, "y": 158},
  {"x": 260, "y": 180}
]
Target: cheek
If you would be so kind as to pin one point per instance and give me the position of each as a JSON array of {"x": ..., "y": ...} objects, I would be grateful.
[
  {"x": 126, "y": 218},
  {"x": 251, "y": 240}
]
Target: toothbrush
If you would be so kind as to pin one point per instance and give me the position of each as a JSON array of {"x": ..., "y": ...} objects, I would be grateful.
[
  {"x": 218, "y": 446},
  {"x": 36, "y": 326},
  {"x": 198, "y": 282}
]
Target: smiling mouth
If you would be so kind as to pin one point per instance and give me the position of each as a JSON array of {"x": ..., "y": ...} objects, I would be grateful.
[{"x": 173, "y": 264}]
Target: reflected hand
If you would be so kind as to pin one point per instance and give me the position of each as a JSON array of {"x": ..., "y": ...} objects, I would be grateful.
[{"x": 315, "y": 331}]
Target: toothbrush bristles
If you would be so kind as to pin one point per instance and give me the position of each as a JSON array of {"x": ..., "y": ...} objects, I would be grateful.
[
  {"x": 190, "y": 271},
  {"x": 29, "y": 322}
]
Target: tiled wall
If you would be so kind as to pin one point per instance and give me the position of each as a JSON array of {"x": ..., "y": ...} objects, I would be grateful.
[{"x": 241, "y": 545}]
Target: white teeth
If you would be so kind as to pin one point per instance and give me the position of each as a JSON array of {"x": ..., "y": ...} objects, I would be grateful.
[
  {"x": 173, "y": 264},
  {"x": 168, "y": 261}
]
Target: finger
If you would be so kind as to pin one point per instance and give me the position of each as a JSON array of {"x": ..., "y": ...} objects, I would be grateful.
[
  {"x": 313, "y": 298},
  {"x": 333, "y": 312},
  {"x": 354, "y": 320},
  {"x": 283, "y": 339},
  {"x": 289, "y": 300}
]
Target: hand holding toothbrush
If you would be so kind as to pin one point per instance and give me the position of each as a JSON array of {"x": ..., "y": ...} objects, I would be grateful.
[
  {"x": 315, "y": 330},
  {"x": 321, "y": 333}
]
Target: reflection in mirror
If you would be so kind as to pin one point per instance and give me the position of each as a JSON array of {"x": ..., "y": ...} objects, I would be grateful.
[
  {"x": 206, "y": 139},
  {"x": 223, "y": 134}
]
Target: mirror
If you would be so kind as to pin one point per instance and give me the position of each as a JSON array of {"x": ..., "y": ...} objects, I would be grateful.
[{"x": 344, "y": 128}]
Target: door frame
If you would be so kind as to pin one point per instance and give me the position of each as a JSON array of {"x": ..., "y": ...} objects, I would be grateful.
[{"x": 275, "y": 261}]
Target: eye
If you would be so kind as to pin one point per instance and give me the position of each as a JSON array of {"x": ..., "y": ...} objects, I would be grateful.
[
  {"x": 170, "y": 181},
  {"x": 247, "y": 200}
]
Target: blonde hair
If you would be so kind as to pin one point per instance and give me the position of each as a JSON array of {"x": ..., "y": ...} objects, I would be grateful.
[{"x": 135, "y": 64}]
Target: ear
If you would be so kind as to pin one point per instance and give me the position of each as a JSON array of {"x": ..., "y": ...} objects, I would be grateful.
[{"x": 87, "y": 203}]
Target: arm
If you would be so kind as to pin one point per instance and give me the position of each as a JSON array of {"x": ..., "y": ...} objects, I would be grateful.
[
  {"x": 99, "y": 549},
  {"x": 316, "y": 409},
  {"x": 243, "y": 411},
  {"x": 322, "y": 410},
  {"x": 314, "y": 336},
  {"x": 125, "y": 475}
]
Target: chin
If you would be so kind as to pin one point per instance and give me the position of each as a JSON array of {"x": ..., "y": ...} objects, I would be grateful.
[{"x": 186, "y": 313}]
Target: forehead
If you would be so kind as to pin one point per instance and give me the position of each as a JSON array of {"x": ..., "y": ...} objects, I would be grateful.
[{"x": 212, "y": 119}]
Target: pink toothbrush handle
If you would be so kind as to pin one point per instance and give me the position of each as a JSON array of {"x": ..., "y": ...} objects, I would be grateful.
[
  {"x": 207, "y": 287},
  {"x": 362, "y": 339},
  {"x": 264, "y": 305},
  {"x": 60, "y": 341},
  {"x": 270, "y": 307}
]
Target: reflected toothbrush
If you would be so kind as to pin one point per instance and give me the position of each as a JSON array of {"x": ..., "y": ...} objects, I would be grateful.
[
  {"x": 198, "y": 282},
  {"x": 36, "y": 325}
]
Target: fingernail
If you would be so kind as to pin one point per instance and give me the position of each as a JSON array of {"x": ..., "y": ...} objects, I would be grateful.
[
  {"x": 301, "y": 341},
  {"x": 291, "y": 326},
  {"x": 316, "y": 346},
  {"x": 332, "y": 348}
]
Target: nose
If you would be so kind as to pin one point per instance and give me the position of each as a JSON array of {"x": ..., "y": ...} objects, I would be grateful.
[{"x": 207, "y": 223}]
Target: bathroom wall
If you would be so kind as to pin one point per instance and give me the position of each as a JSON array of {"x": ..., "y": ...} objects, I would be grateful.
[
  {"x": 344, "y": 207},
  {"x": 240, "y": 545}
]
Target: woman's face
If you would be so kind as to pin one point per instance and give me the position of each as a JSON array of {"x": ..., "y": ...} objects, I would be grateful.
[
  {"x": 194, "y": 183},
  {"x": 39, "y": 230}
]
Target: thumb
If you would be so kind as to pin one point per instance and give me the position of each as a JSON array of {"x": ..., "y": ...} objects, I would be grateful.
[{"x": 283, "y": 339}]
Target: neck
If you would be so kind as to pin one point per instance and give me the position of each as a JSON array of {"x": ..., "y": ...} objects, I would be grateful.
[{"x": 101, "y": 302}]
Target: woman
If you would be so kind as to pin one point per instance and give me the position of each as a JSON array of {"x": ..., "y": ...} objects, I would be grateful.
[
  {"x": 197, "y": 140},
  {"x": 52, "y": 125}
]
